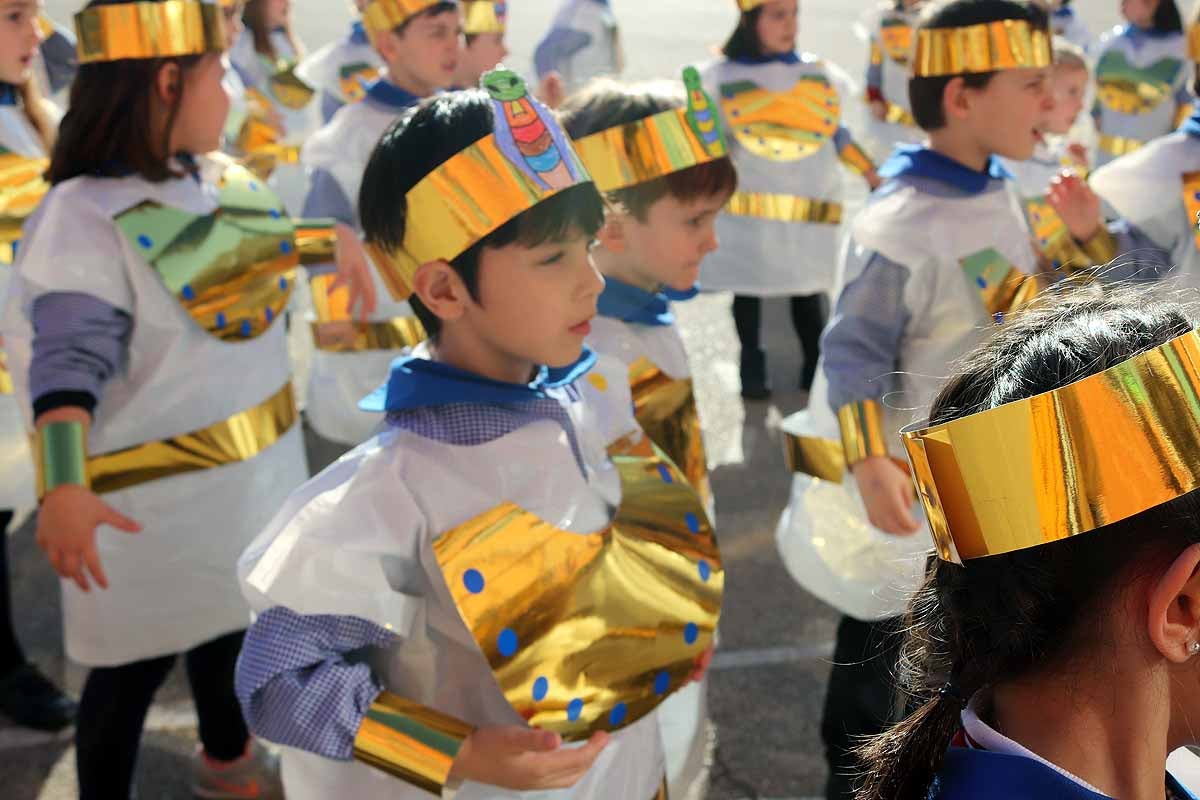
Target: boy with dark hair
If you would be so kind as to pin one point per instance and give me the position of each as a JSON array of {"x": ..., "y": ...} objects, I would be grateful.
[
  {"x": 484, "y": 26},
  {"x": 342, "y": 69},
  {"x": 456, "y": 598}
]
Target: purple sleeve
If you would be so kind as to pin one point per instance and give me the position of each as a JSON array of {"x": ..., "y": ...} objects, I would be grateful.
[{"x": 79, "y": 342}]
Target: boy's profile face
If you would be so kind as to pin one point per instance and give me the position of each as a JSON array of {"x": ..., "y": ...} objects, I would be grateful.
[
  {"x": 667, "y": 247},
  {"x": 1068, "y": 87},
  {"x": 483, "y": 53},
  {"x": 1008, "y": 115},
  {"x": 424, "y": 55}
]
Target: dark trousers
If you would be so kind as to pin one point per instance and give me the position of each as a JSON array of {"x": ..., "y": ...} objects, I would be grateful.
[
  {"x": 809, "y": 313},
  {"x": 113, "y": 710},
  {"x": 862, "y": 699},
  {"x": 11, "y": 654}
]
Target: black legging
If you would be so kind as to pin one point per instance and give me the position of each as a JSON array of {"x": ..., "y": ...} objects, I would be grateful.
[
  {"x": 113, "y": 710},
  {"x": 11, "y": 654},
  {"x": 808, "y": 320}
]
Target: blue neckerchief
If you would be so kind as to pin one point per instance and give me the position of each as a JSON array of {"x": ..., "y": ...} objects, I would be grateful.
[
  {"x": 970, "y": 774},
  {"x": 420, "y": 382},
  {"x": 390, "y": 95},
  {"x": 1064, "y": 11},
  {"x": 1191, "y": 125},
  {"x": 916, "y": 160},
  {"x": 358, "y": 34},
  {"x": 780, "y": 58},
  {"x": 677, "y": 296},
  {"x": 1131, "y": 31},
  {"x": 8, "y": 94},
  {"x": 628, "y": 303}
]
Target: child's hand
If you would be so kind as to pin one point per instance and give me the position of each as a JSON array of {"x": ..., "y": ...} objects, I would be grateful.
[
  {"x": 701, "y": 663},
  {"x": 552, "y": 91},
  {"x": 353, "y": 271},
  {"x": 1077, "y": 204},
  {"x": 887, "y": 492},
  {"x": 879, "y": 109},
  {"x": 66, "y": 531},
  {"x": 520, "y": 758},
  {"x": 1078, "y": 155},
  {"x": 872, "y": 179}
]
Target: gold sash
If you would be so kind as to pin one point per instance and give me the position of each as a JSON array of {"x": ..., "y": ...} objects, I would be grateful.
[
  {"x": 666, "y": 410},
  {"x": 22, "y": 187},
  {"x": 336, "y": 330},
  {"x": 238, "y": 438},
  {"x": 589, "y": 632},
  {"x": 784, "y": 208}
]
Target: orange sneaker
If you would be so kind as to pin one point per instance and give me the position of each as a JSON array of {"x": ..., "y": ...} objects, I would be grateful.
[{"x": 254, "y": 776}]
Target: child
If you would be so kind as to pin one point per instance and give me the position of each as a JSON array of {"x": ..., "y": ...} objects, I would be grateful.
[
  {"x": 484, "y": 23},
  {"x": 1067, "y": 24},
  {"x": 583, "y": 43},
  {"x": 56, "y": 60},
  {"x": 887, "y": 75},
  {"x": 1063, "y": 664},
  {"x": 142, "y": 327},
  {"x": 419, "y": 45},
  {"x": 940, "y": 251},
  {"x": 442, "y": 583},
  {"x": 1141, "y": 78},
  {"x": 783, "y": 111},
  {"x": 341, "y": 70},
  {"x": 659, "y": 226},
  {"x": 265, "y": 56},
  {"x": 27, "y": 128}
]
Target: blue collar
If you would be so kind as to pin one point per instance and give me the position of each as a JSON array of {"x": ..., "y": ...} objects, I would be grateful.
[
  {"x": 1191, "y": 126},
  {"x": 678, "y": 296},
  {"x": 420, "y": 382},
  {"x": 628, "y": 303},
  {"x": 358, "y": 34},
  {"x": 918, "y": 161},
  {"x": 1131, "y": 31},
  {"x": 389, "y": 95},
  {"x": 1064, "y": 12},
  {"x": 8, "y": 94},
  {"x": 780, "y": 58}
]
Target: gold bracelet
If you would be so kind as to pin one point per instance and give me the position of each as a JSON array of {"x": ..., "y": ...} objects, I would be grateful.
[
  {"x": 1101, "y": 247},
  {"x": 60, "y": 449},
  {"x": 409, "y": 741},
  {"x": 862, "y": 430}
]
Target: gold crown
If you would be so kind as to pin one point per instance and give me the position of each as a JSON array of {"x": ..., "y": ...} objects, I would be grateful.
[
  {"x": 1065, "y": 462},
  {"x": 987, "y": 47},
  {"x": 484, "y": 16},
  {"x": 381, "y": 16},
  {"x": 649, "y": 148},
  {"x": 746, "y": 6},
  {"x": 149, "y": 30},
  {"x": 527, "y": 159}
]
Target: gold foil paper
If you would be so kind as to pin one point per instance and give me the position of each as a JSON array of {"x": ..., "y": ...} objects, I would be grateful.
[
  {"x": 382, "y": 16},
  {"x": 238, "y": 438},
  {"x": 749, "y": 5},
  {"x": 896, "y": 37},
  {"x": 149, "y": 30},
  {"x": 316, "y": 240},
  {"x": 666, "y": 410},
  {"x": 784, "y": 208},
  {"x": 782, "y": 126},
  {"x": 60, "y": 452},
  {"x": 232, "y": 270},
  {"x": 1102, "y": 247},
  {"x": 588, "y": 632},
  {"x": 1191, "y": 203},
  {"x": 1053, "y": 238},
  {"x": 22, "y": 187},
  {"x": 853, "y": 157},
  {"x": 1193, "y": 35},
  {"x": 337, "y": 329},
  {"x": 820, "y": 458},
  {"x": 863, "y": 435},
  {"x": 1118, "y": 146},
  {"x": 987, "y": 47},
  {"x": 641, "y": 151},
  {"x": 483, "y": 16},
  {"x": 287, "y": 88},
  {"x": 898, "y": 115},
  {"x": 1135, "y": 89},
  {"x": 409, "y": 741},
  {"x": 1002, "y": 287},
  {"x": 1065, "y": 462},
  {"x": 354, "y": 78}
]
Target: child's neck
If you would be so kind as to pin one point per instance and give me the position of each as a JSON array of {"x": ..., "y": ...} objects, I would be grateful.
[
  {"x": 618, "y": 267},
  {"x": 960, "y": 146},
  {"x": 465, "y": 349},
  {"x": 401, "y": 78}
]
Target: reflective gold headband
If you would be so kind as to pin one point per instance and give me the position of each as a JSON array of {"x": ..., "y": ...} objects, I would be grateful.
[
  {"x": 526, "y": 160},
  {"x": 382, "y": 16},
  {"x": 1065, "y": 462},
  {"x": 149, "y": 30},
  {"x": 987, "y": 47},
  {"x": 649, "y": 148},
  {"x": 749, "y": 5},
  {"x": 484, "y": 16}
]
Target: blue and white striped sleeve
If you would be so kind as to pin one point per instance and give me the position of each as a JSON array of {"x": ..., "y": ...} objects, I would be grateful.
[
  {"x": 558, "y": 46},
  {"x": 79, "y": 342},
  {"x": 327, "y": 199}
]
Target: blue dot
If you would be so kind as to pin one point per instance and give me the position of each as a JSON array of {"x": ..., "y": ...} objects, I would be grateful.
[
  {"x": 283, "y": 284},
  {"x": 145, "y": 241},
  {"x": 285, "y": 247},
  {"x": 1196, "y": 195},
  {"x": 705, "y": 571},
  {"x": 662, "y": 682},
  {"x": 220, "y": 319},
  {"x": 665, "y": 473},
  {"x": 473, "y": 580},
  {"x": 253, "y": 186},
  {"x": 269, "y": 315},
  {"x": 274, "y": 213},
  {"x": 692, "y": 521},
  {"x": 574, "y": 709},
  {"x": 506, "y": 642},
  {"x": 1057, "y": 264},
  {"x": 1044, "y": 242},
  {"x": 690, "y": 632},
  {"x": 246, "y": 328},
  {"x": 617, "y": 715},
  {"x": 188, "y": 292},
  {"x": 540, "y": 688},
  {"x": 981, "y": 283},
  {"x": 998, "y": 317}
]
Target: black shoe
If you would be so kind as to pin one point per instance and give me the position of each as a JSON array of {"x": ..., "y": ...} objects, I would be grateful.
[
  {"x": 758, "y": 390},
  {"x": 32, "y": 701}
]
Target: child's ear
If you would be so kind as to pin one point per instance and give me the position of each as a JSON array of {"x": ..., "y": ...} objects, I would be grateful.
[
  {"x": 956, "y": 99},
  {"x": 388, "y": 45},
  {"x": 441, "y": 290},
  {"x": 166, "y": 83},
  {"x": 611, "y": 235}
]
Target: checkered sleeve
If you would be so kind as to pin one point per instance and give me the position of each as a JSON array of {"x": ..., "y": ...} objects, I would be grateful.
[{"x": 299, "y": 683}]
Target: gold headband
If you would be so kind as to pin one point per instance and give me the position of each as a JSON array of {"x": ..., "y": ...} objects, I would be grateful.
[
  {"x": 526, "y": 160},
  {"x": 382, "y": 16},
  {"x": 746, "y": 6},
  {"x": 649, "y": 148},
  {"x": 987, "y": 47},
  {"x": 1194, "y": 43},
  {"x": 149, "y": 30},
  {"x": 1065, "y": 462},
  {"x": 484, "y": 16}
]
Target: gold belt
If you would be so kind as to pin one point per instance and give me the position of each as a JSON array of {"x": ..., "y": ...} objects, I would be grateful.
[
  {"x": 812, "y": 455},
  {"x": 1119, "y": 145},
  {"x": 238, "y": 438},
  {"x": 345, "y": 336},
  {"x": 784, "y": 208}
]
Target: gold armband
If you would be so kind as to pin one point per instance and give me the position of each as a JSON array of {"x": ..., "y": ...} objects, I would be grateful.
[
  {"x": 60, "y": 449},
  {"x": 1101, "y": 247},
  {"x": 862, "y": 431},
  {"x": 316, "y": 240},
  {"x": 409, "y": 741},
  {"x": 856, "y": 159}
]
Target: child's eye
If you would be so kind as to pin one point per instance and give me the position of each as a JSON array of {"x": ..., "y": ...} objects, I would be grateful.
[{"x": 553, "y": 259}]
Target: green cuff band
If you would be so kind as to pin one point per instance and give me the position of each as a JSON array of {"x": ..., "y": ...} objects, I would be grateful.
[{"x": 61, "y": 451}]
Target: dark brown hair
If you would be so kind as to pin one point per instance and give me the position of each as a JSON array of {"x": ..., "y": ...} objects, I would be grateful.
[
  {"x": 254, "y": 17},
  {"x": 108, "y": 127},
  {"x": 744, "y": 42},
  {"x": 605, "y": 104},
  {"x": 1007, "y": 616}
]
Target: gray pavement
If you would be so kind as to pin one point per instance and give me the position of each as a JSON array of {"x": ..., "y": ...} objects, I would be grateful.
[{"x": 768, "y": 680}]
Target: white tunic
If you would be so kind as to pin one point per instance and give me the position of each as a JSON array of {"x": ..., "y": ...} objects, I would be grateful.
[
  {"x": 328, "y": 69},
  {"x": 787, "y": 147},
  {"x": 893, "y": 82},
  {"x": 297, "y": 123},
  {"x": 173, "y": 585},
  {"x": 383, "y": 504},
  {"x": 601, "y": 56}
]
